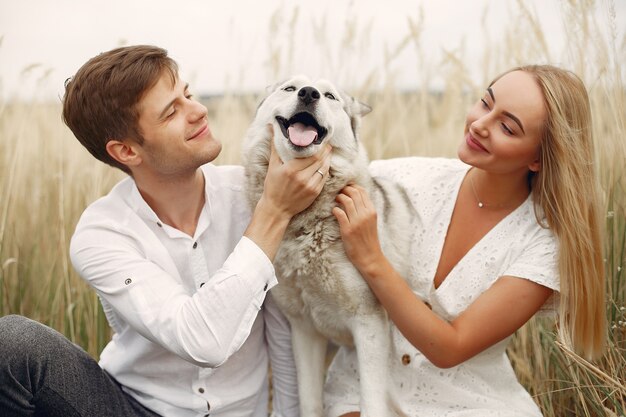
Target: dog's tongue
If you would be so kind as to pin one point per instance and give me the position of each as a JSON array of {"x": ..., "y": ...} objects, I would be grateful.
[{"x": 302, "y": 135}]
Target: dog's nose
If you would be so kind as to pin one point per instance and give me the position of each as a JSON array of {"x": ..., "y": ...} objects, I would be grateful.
[{"x": 308, "y": 95}]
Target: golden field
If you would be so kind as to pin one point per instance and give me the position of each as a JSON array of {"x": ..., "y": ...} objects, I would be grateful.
[{"x": 47, "y": 179}]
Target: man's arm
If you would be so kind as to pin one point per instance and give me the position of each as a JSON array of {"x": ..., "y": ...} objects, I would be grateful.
[
  {"x": 204, "y": 328},
  {"x": 289, "y": 188},
  {"x": 208, "y": 326}
]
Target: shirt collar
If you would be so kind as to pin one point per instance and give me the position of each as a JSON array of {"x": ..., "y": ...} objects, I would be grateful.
[{"x": 145, "y": 212}]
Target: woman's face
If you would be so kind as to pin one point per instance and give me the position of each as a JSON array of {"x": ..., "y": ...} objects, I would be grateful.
[{"x": 503, "y": 129}]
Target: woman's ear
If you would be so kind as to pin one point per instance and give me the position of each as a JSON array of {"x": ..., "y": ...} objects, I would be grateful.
[
  {"x": 535, "y": 166},
  {"x": 124, "y": 152}
]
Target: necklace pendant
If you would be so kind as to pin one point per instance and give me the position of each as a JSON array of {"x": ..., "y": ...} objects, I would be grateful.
[{"x": 480, "y": 205}]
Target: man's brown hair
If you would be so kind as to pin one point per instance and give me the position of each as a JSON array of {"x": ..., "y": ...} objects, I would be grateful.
[{"x": 101, "y": 100}]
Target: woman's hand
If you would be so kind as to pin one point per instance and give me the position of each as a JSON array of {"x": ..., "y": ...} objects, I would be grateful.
[{"x": 359, "y": 231}]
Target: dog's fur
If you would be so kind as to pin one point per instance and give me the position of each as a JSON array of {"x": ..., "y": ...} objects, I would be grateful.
[{"x": 320, "y": 292}]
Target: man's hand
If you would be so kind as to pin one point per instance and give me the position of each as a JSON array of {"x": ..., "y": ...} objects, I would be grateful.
[
  {"x": 292, "y": 186},
  {"x": 289, "y": 188}
]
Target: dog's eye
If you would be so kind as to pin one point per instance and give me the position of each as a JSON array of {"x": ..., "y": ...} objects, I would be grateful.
[
  {"x": 290, "y": 88},
  {"x": 330, "y": 96}
]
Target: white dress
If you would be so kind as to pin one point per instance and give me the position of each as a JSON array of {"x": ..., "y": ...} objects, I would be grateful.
[{"x": 484, "y": 385}]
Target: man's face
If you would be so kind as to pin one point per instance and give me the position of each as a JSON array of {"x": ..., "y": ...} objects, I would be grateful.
[{"x": 177, "y": 138}]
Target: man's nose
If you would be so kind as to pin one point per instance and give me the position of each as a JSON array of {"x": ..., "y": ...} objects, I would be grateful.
[{"x": 198, "y": 111}]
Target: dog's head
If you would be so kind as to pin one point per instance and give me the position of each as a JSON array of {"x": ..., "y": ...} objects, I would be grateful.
[{"x": 307, "y": 114}]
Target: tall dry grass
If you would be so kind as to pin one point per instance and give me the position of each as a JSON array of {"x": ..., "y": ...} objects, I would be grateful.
[{"x": 46, "y": 178}]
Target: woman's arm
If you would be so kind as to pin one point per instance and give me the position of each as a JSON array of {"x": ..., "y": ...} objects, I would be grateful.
[{"x": 493, "y": 316}]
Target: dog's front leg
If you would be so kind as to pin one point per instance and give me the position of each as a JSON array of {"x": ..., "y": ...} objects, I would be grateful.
[
  {"x": 372, "y": 341},
  {"x": 309, "y": 350}
]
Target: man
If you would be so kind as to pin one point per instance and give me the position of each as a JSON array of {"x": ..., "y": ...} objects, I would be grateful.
[{"x": 181, "y": 266}]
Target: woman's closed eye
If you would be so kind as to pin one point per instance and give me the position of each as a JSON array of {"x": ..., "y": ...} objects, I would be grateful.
[
  {"x": 504, "y": 126},
  {"x": 507, "y": 130}
]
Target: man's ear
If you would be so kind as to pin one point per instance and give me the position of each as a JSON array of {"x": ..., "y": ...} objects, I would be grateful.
[{"x": 124, "y": 152}]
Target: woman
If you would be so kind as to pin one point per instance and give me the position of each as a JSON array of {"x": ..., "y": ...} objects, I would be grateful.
[{"x": 499, "y": 227}]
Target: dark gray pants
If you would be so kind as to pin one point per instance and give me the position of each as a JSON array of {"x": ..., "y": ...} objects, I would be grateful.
[{"x": 43, "y": 374}]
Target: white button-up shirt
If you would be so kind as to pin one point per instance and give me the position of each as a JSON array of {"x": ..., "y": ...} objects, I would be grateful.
[{"x": 188, "y": 337}]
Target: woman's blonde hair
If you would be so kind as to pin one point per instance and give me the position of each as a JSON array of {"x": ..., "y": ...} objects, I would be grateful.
[{"x": 566, "y": 191}]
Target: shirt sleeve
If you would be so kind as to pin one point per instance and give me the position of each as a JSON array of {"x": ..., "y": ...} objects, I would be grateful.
[
  {"x": 537, "y": 261},
  {"x": 285, "y": 401},
  {"x": 204, "y": 328}
]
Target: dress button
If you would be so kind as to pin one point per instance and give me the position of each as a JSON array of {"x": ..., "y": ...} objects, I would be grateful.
[
  {"x": 201, "y": 284},
  {"x": 201, "y": 390},
  {"x": 195, "y": 245},
  {"x": 406, "y": 359}
]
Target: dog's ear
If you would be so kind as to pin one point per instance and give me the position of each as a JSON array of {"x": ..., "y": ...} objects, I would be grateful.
[
  {"x": 361, "y": 108},
  {"x": 273, "y": 87},
  {"x": 353, "y": 106},
  {"x": 268, "y": 90},
  {"x": 355, "y": 109},
  {"x": 299, "y": 79}
]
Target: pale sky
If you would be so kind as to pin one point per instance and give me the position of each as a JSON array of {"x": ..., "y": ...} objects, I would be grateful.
[{"x": 227, "y": 45}]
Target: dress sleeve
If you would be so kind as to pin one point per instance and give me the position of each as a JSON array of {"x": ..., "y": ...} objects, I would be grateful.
[
  {"x": 399, "y": 169},
  {"x": 204, "y": 328},
  {"x": 536, "y": 260},
  {"x": 417, "y": 175},
  {"x": 285, "y": 401}
]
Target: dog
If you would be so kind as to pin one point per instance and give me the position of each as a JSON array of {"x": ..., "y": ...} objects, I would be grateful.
[{"x": 320, "y": 292}]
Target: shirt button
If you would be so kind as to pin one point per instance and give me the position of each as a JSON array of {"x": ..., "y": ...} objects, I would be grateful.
[
  {"x": 201, "y": 390},
  {"x": 201, "y": 284},
  {"x": 208, "y": 407},
  {"x": 195, "y": 245},
  {"x": 159, "y": 224},
  {"x": 406, "y": 359},
  {"x": 265, "y": 287},
  {"x": 428, "y": 305}
]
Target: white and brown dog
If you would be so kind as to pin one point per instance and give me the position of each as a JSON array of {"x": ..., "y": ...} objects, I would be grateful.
[{"x": 320, "y": 292}]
